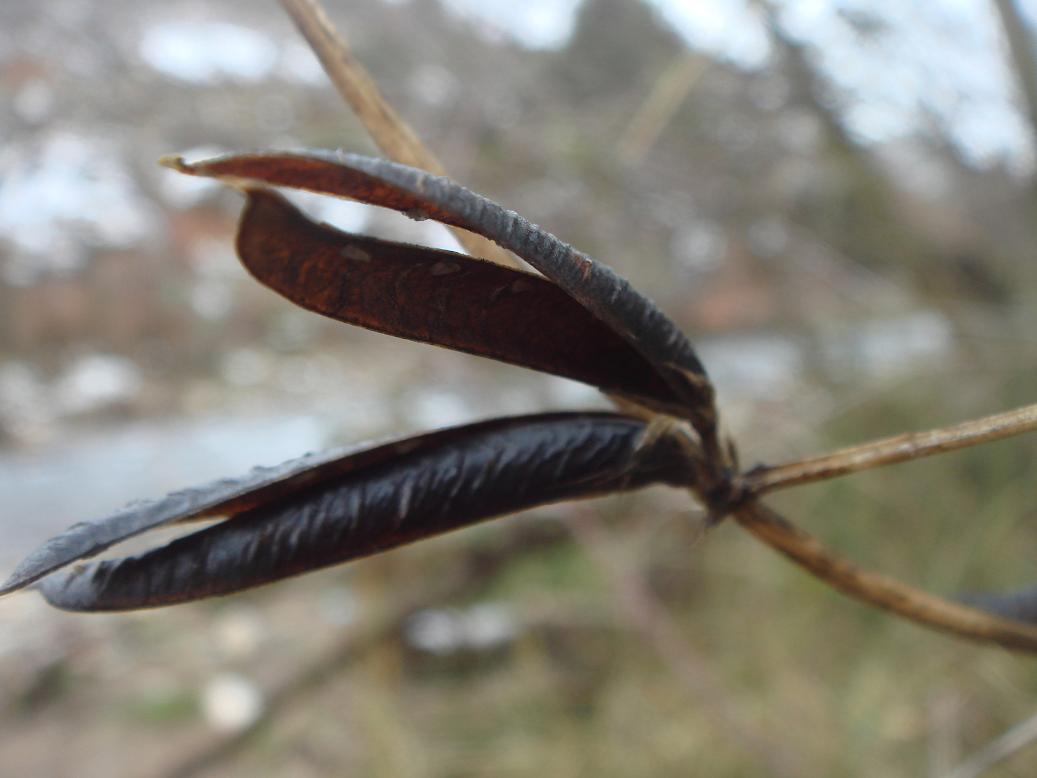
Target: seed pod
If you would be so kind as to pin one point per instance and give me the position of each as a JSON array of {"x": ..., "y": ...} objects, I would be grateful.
[
  {"x": 360, "y": 504},
  {"x": 421, "y": 195}
]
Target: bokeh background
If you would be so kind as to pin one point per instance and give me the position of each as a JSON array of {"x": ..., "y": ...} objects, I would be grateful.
[{"x": 837, "y": 200}]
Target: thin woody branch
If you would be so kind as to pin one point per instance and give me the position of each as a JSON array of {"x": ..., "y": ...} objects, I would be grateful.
[
  {"x": 889, "y": 451},
  {"x": 878, "y": 590},
  {"x": 386, "y": 127}
]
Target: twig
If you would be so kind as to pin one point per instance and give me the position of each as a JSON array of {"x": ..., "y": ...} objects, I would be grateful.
[
  {"x": 388, "y": 130},
  {"x": 658, "y": 109},
  {"x": 878, "y": 590},
  {"x": 899, "y": 448},
  {"x": 1011, "y": 742}
]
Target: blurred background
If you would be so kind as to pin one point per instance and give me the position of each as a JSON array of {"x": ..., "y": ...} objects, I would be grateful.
[{"x": 837, "y": 200}]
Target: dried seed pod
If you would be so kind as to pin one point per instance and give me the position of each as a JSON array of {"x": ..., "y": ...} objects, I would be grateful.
[
  {"x": 440, "y": 297},
  {"x": 300, "y": 518},
  {"x": 422, "y": 195}
]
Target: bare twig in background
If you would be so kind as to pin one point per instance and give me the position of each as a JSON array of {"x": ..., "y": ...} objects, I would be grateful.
[
  {"x": 899, "y": 448},
  {"x": 662, "y": 103},
  {"x": 1023, "y": 50},
  {"x": 477, "y": 568},
  {"x": 685, "y": 663},
  {"x": 388, "y": 130},
  {"x": 878, "y": 590},
  {"x": 1011, "y": 742}
]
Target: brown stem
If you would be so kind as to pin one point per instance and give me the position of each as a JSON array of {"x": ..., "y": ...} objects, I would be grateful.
[
  {"x": 878, "y": 590},
  {"x": 388, "y": 130},
  {"x": 899, "y": 448}
]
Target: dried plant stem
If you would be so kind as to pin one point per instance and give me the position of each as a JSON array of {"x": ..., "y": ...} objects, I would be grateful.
[
  {"x": 878, "y": 590},
  {"x": 899, "y": 448},
  {"x": 658, "y": 109},
  {"x": 388, "y": 130}
]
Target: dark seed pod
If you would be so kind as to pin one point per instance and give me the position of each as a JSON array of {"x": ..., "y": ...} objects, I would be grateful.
[
  {"x": 396, "y": 494},
  {"x": 421, "y": 195},
  {"x": 440, "y": 297}
]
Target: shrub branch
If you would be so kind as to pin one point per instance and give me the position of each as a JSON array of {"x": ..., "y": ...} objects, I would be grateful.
[
  {"x": 889, "y": 451},
  {"x": 881, "y": 591}
]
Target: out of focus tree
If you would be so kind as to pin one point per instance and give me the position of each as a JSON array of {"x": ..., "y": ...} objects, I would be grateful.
[{"x": 1024, "y": 57}]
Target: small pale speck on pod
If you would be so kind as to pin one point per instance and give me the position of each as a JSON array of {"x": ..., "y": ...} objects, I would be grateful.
[
  {"x": 443, "y": 268},
  {"x": 520, "y": 286},
  {"x": 355, "y": 253}
]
